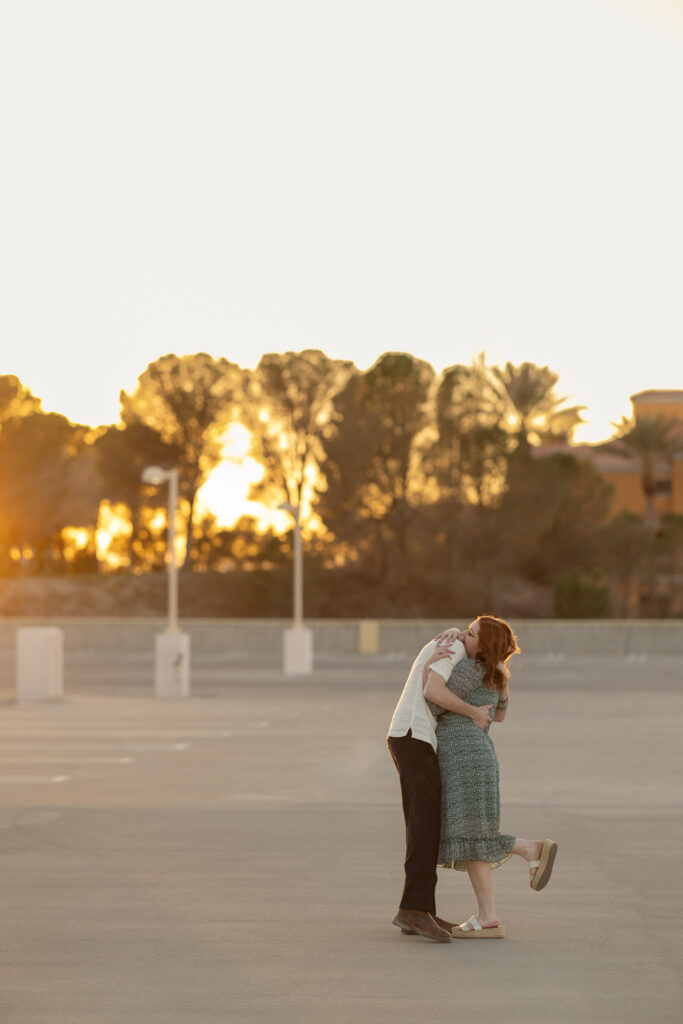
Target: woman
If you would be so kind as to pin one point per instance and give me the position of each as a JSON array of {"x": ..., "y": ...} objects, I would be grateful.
[{"x": 470, "y": 798}]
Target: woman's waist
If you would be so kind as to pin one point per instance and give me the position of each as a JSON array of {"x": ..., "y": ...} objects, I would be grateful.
[
  {"x": 458, "y": 725},
  {"x": 454, "y": 716}
]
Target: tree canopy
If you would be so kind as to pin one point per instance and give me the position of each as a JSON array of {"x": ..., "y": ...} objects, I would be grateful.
[
  {"x": 528, "y": 395},
  {"x": 290, "y": 403},
  {"x": 15, "y": 399},
  {"x": 427, "y": 491},
  {"x": 188, "y": 401},
  {"x": 370, "y": 474}
]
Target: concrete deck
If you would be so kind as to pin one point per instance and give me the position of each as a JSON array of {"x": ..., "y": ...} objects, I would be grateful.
[{"x": 237, "y": 857}]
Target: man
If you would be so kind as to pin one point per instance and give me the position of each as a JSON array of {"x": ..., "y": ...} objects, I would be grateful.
[{"x": 412, "y": 744}]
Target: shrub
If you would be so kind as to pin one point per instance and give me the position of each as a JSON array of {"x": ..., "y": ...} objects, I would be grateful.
[{"x": 578, "y": 596}]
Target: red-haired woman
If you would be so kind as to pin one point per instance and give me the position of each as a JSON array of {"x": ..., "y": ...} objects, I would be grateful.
[{"x": 470, "y": 797}]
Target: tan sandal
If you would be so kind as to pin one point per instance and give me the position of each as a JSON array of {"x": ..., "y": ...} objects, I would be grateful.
[
  {"x": 471, "y": 929},
  {"x": 544, "y": 865}
]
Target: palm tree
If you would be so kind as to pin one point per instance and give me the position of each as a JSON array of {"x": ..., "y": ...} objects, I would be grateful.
[
  {"x": 529, "y": 393},
  {"x": 649, "y": 440}
]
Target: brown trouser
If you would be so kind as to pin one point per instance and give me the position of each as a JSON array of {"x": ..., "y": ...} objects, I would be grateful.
[{"x": 418, "y": 771}]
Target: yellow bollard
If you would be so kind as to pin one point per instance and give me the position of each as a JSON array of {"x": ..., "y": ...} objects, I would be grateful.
[{"x": 368, "y": 636}]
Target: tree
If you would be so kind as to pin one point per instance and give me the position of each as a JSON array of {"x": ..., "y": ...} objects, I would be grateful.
[
  {"x": 291, "y": 402},
  {"x": 189, "y": 402},
  {"x": 241, "y": 546},
  {"x": 621, "y": 548},
  {"x": 371, "y": 482},
  {"x": 468, "y": 456},
  {"x": 15, "y": 399},
  {"x": 669, "y": 546},
  {"x": 652, "y": 441},
  {"x": 464, "y": 456},
  {"x": 527, "y": 393},
  {"x": 551, "y": 517},
  {"x": 122, "y": 452},
  {"x": 48, "y": 480}
]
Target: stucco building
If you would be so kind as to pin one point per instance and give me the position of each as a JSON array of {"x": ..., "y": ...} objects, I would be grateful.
[{"x": 625, "y": 474}]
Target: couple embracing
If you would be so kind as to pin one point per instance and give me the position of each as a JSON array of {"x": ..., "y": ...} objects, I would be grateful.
[{"x": 448, "y": 770}]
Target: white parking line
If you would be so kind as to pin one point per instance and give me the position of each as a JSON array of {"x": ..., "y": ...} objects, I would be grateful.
[
  {"x": 82, "y": 746},
  {"x": 115, "y": 734},
  {"x": 66, "y": 760},
  {"x": 32, "y": 778}
]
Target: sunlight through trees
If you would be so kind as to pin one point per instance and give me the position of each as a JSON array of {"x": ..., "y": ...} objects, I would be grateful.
[{"x": 414, "y": 487}]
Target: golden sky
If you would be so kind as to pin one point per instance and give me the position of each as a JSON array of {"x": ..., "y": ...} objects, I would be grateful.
[{"x": 436, "y": 177}]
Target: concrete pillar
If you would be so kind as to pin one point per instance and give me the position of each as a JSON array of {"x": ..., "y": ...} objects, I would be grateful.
[
  {"x": 40, "y": 663},
  {"x": 298, "y": 651},
  {"x": 368, "y": 636},
  {"x": 172, "y": 665}
]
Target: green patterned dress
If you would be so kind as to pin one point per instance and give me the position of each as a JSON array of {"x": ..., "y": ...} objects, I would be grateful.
[{"x": 470, "y": 795}]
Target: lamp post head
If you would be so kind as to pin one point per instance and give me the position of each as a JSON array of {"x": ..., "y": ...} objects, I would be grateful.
[
  {"x": 154, "y": 475},
  {"x": 287, "y": 506}
]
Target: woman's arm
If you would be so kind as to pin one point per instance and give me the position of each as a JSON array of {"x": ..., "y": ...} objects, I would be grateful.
[
  {"x": 437, "y": 692},
  {"x": 503, "y": 700}
]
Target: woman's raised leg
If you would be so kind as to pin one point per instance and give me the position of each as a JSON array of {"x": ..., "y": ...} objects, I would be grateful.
[{"x": 540, "y": 856}]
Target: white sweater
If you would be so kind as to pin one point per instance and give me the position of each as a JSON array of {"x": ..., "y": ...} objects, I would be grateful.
[{"x": 412, "y": 711}]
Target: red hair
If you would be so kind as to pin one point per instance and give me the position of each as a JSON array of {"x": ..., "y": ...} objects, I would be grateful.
[{"x": 497, "y": 643}]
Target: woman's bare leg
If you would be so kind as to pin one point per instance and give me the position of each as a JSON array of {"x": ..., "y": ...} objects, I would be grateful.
[
  {"x": 530, "y": 849},
  {"x": 482, "y": 883}
]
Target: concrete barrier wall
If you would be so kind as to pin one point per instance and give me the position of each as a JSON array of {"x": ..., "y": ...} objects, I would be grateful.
[{"x": 349, "y": 636}]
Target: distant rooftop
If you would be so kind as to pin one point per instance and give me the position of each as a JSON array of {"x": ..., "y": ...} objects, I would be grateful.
[
  {"x": 601, "y": 455},
  {"x": 658, "y": 396}
]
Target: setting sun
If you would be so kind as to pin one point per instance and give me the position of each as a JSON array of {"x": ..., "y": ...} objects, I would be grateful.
[{"x": 225, "y": 493}]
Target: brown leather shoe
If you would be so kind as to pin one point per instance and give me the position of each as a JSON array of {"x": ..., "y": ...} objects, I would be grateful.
[
  {"x": 418, "y": 922},
  {"x": 448, "y": 926}
]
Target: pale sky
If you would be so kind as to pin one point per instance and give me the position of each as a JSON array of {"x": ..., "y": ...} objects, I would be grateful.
[{"x": 434, "y": 177}]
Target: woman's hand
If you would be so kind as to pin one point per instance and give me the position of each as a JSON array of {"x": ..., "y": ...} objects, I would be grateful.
[
  {"x": 481, "y": 718},
  {"x": 449, "y": 635}
]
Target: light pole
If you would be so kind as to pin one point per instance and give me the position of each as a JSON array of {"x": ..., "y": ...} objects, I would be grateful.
[
  {"x": 298, "y": 565},
  {"x": 298, "y": 641},
  {"x": 172, "y": 666},
  {"x": 156, "y": 476}
]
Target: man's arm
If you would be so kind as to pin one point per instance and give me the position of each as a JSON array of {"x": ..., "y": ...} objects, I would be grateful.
[{"x": 438, "y": 693}]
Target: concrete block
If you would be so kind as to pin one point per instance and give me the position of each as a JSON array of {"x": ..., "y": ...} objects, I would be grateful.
[
  {"x": 172, "y": 665},
  {"x": 40, "y": 663},
  {"x": 298, "y": 651}
]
